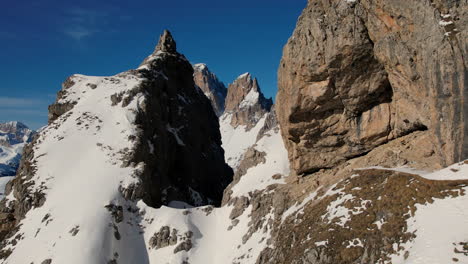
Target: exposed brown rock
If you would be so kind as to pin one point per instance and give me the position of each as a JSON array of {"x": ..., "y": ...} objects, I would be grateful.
[
  {"x": 164, "y": 238},
  {"x": 246, "y": 102},
  {"x": 58, "y": 108},
  {"x": 271, "y": 123},
  {"x": 186, "y": 243},
  {"x": 252, "y": 157},
  {"x": 357, "y": 74},
  {"x": 387, "y": 196},
  {"x": 211, "y": 87}
]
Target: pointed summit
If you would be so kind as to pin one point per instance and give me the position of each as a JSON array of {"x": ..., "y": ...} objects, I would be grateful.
[
  {"x": 245, "y": 101},
  {"x": 246, "y": 75},
  {"x": 245, "y": 88},
  {"x": 214, "y": 89},
  {"x": 166, "y": 43}
]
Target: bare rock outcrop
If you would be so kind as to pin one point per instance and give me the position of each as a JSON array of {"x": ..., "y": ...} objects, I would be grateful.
[
  {"x": 245, "y": 101},
  {"x": 358, "y": 74},
  {"x": 211, "y": 87}
]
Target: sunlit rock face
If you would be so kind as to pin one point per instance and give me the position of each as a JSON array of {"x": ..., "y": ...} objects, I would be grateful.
[
  {"x": 357, "y": 74},
  {"x": 211, "y": 87}
]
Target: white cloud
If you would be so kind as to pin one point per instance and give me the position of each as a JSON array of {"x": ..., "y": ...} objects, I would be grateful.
[
  {"x": 79, "y": 32},
  {"x": 81, "y": 23}
]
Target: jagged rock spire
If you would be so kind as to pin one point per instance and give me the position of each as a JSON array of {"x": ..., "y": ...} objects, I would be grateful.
[
  {"x": 166, "y": 43},
  {"x": 214, "y": 89},
  {"x": 245, "y": 87},
  {"x": 245, "y": 101}
]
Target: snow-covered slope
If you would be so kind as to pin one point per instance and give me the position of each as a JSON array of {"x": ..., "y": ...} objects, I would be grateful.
[
  {"x": 236, "y": 140},
  {"x": 244, "y": 118},
  {"x": 433, "y": 244},
  {"x": 272, "y": 170},
  {"x": 13, "y": 136}
]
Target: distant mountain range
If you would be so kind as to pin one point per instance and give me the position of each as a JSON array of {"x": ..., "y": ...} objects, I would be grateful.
[{"x": 13, "y": 136}]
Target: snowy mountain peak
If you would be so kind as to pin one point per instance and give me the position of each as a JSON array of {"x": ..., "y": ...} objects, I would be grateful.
[
  {"x": 13, "y": 127},
  {"x": 244, "y": 75},
  {"x": 166, "y": 47},
  {"x": 246, "y": 119},
  {"x": 245, "y": 102},
  {"x": 200, "y": 67}
]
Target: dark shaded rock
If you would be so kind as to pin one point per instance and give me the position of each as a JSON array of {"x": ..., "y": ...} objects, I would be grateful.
[
  {"x": 184, "y": 246},
  {"x": 166, "y": 43},
  {"x": 116, "y": 212},
  {"x": 163, "y": 238},
  {"x": 179, "y": 139},
  {"x": 47, "y": 261},
  {"x": 74, "y": 231},
  {"x": 24, "y": 199}
]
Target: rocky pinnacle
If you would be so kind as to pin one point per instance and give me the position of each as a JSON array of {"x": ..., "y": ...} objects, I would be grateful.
[{"x": 166, "y": 43}]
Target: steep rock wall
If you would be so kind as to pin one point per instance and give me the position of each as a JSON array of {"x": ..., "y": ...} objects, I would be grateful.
[{"x": 357, "y": 74}]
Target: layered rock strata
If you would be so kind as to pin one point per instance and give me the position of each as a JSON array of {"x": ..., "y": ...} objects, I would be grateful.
[{"x": 357, "y": 74}]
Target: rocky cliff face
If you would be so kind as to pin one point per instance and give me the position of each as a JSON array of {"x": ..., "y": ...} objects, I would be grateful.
[
  {"x": 358, "y": 74},
  {"x": 145, "y": 137},
  {"x": 378, "y": 84},
  {"x": 211, "y": 87},
  {"x": 13, "y": 137},
  {"x": 245, "y": 102}
]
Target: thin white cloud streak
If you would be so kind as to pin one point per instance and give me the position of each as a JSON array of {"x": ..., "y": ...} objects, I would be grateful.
[
  {"x": 24, "y": 112},
  {"x": 79, "y": 33},
  {"x": 19, "y": 102},
  {"x": 82, "y": 23}
]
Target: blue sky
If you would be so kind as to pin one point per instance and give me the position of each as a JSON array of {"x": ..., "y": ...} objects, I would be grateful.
[{"x": 44, "y": 41}]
